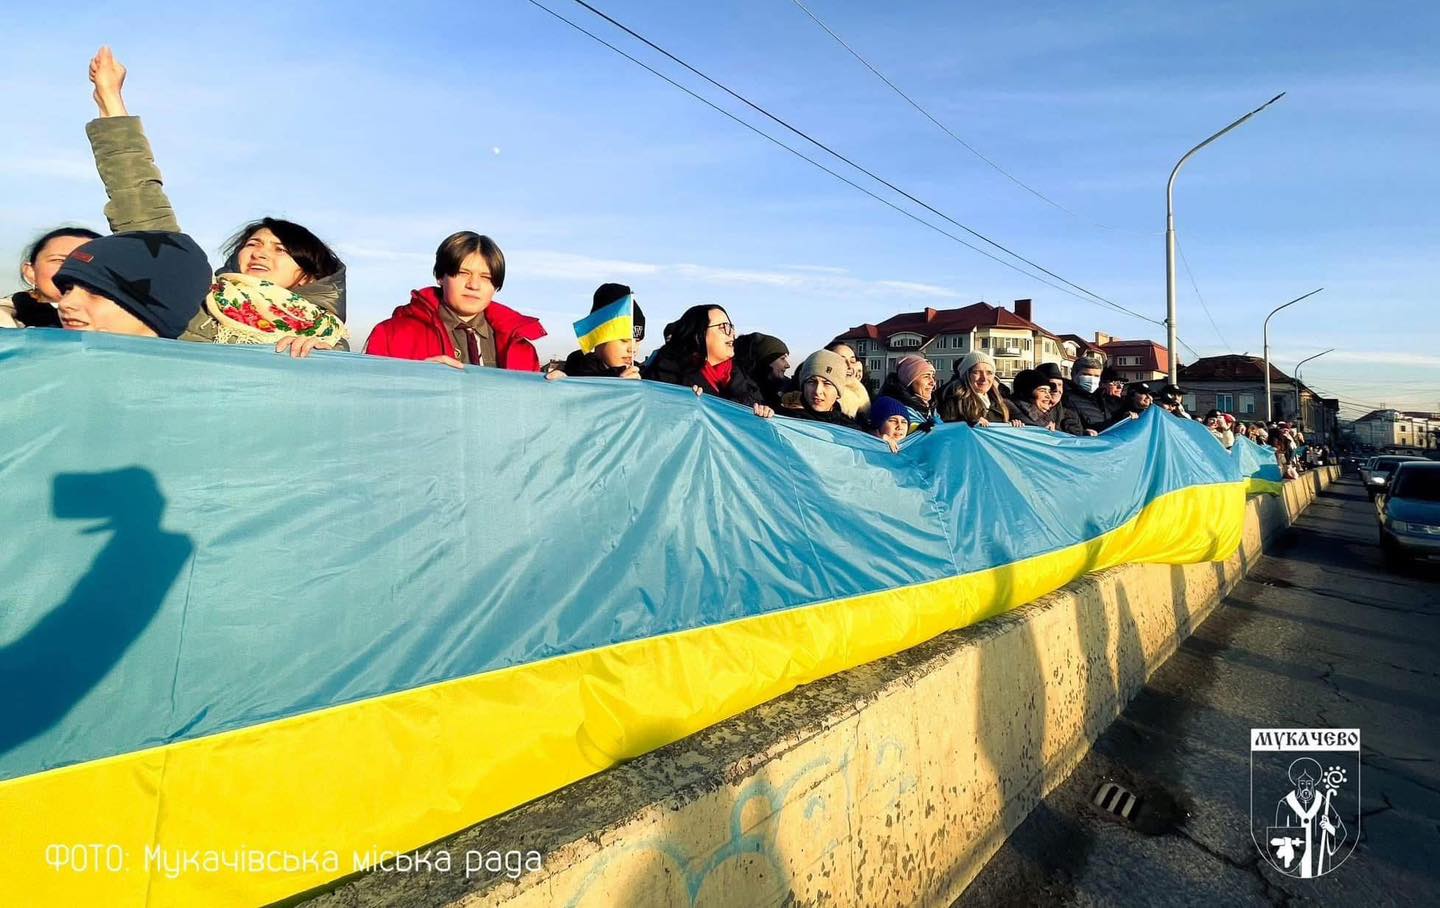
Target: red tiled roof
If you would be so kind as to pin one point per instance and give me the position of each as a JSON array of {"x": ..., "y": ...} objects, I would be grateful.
[
  {"x": 930, "y": 323},
  {"x": 1153, "y": 356}
]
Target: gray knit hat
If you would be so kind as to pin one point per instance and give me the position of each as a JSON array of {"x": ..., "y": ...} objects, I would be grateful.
[{"x": 824, "y": 364}]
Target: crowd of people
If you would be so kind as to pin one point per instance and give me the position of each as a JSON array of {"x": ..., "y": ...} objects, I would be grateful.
[{"x": 281, "y": 285}]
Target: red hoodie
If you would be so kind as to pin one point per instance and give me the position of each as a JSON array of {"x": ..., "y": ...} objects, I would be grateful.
[{"x": 415, "y": 331}]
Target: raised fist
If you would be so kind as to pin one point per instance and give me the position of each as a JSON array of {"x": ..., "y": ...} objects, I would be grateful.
[{"x": 108, "y": 76}]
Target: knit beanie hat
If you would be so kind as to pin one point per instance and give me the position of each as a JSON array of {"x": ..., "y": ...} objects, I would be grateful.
[
  {"x": 160, "y": 278},
  {"x": 912, "y": 367},
  {"x": 882, "y": 408},
  {"x": 824, "y": 364},
  {"x": 970, "y": 360},
  {"x": 766, "y": 349},
  {"x": 606, "y": 294}
]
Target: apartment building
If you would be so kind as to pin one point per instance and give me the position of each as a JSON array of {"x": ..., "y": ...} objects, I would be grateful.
[
  {"x": 1402, "y": 431},
  {"x": 944, "y": 336},
  {"x": 1236, "y": 384},
  {"x": 1135, "y": 360}
]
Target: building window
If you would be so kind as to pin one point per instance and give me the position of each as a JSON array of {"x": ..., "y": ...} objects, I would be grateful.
[
  {"x": 984, "y": 343},
  {"x": 1247, "y": 403},
  {"x": 1225, "y": 403}
]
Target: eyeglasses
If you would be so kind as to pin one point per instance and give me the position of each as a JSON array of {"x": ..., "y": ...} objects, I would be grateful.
[{"x": 725, "y": 328}]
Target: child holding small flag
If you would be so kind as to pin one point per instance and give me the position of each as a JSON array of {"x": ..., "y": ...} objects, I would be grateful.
[{"x": 609, "y": 337}]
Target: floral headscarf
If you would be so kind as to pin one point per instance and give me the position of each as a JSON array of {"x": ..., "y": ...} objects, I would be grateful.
[{"x": 248, "y": 310}]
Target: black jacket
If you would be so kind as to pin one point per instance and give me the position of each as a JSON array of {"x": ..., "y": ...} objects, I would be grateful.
[
  {"x": 836, "y": 417},
  {"x": 34, "y": 314},
  {"x": 665, "y": 367},
  {"x": 1066, "y": 419},
  {"x": 1095, "y": 411},
  {"x": 588, "y": 365}
]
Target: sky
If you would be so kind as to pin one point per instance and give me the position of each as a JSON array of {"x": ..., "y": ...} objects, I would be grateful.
[{"x": 385, "y": 127}]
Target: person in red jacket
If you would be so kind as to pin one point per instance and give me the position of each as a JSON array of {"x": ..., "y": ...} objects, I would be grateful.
[{"x": 459, "y": 323}]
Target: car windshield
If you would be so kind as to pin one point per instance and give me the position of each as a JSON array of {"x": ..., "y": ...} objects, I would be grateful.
[
  {"x": 1388, "y": 466},
  {"x": 1417, "y": 485}
]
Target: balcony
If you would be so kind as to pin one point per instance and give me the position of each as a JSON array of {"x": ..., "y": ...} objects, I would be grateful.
[{"x": 1006, "y": 351}]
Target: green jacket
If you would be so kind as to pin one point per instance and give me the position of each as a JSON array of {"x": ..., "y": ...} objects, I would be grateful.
[{"x": 138, "y": 202}]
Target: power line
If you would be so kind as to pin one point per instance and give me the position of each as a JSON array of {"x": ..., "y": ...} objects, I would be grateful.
[
  {"x": 964, "y": 144},
  {"x": 826, "y": 148},
  {"x": 1186, "y": 263},
  {"x": 802, "y": 156}
]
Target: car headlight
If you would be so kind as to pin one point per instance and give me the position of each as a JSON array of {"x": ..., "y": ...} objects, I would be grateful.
[
  {"x": 1399, "y": 526},
  {"x": 1377, "y": 479}
]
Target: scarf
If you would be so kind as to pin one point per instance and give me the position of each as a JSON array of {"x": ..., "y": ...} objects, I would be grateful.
[
  {"x": 718, "y": 377},
  {"x": 248, "y": 310}
]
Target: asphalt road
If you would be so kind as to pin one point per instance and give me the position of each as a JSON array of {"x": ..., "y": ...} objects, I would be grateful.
[{"x": 1320, "y": 635}]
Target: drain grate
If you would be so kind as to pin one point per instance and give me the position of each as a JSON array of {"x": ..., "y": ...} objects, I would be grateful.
[
  {"x": 1116, "y": 799},
  {"x": 1276, "y": 582}
]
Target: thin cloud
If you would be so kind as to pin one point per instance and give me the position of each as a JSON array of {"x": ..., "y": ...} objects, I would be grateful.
[
  {"x": 812, "y": 280},
  {"x": 1370, "y": 357},
  {"x": 57, "y": 166}
]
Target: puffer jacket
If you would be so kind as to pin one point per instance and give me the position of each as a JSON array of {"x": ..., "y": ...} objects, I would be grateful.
[
  {"x": 137, "y": 201},
  {"x": 1066, "y": 419},
  {"x": 1095, "y": 411},
  {"x": 589, "y": 365},
  {"x": 416, "y": 331}
]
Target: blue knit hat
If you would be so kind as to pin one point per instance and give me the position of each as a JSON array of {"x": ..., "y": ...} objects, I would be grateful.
[
  {"x": 882, "y": 408},
  {"x": 160, "y": 278}
]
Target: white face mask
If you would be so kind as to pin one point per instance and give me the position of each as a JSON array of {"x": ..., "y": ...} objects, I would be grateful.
[{"x": 1087, "y": 383}]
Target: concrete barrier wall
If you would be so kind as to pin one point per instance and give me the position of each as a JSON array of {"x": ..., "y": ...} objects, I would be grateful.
[{"x": 891, "y": 784}]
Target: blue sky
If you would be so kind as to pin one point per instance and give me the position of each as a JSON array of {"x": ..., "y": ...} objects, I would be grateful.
[{"x": 385, "y": 127}]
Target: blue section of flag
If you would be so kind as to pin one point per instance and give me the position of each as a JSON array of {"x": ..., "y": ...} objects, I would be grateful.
[{"x": 285, "y": 535}]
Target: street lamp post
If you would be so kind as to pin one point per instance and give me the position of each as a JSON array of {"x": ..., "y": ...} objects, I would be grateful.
[
  {"x": 1170, "y": 236},
  {"x": 1303, "y": 427},
  {"x": 1265, "y": 341}
]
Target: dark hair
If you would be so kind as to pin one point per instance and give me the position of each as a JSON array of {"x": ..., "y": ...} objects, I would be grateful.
[
  {"x": 457, "y": 247},
  {"x": 309, "y": 252},
  {"x": 833, "y": 344},
  {"x": 35, "y": 248},
  {"x": 685, "y": 337}
]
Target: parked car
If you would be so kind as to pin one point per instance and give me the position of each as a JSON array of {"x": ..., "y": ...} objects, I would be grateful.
[
  {"x": 1376, "y": 474},
  {"x": 1409, "y": 513}
]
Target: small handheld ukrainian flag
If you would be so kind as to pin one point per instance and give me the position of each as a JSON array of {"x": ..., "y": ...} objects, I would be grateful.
[{"x": 614, "y": 322}]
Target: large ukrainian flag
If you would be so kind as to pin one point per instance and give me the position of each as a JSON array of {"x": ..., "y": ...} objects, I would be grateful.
[{"x": 269, "y": 611}]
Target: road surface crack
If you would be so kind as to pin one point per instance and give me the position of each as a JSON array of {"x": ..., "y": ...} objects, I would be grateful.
[
  {"x": 1272, "y": 893},
  {"x": 1327, "y": 679}
]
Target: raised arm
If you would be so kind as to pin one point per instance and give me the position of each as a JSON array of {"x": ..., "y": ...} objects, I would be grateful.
[{"x": 123, "y": 156}]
